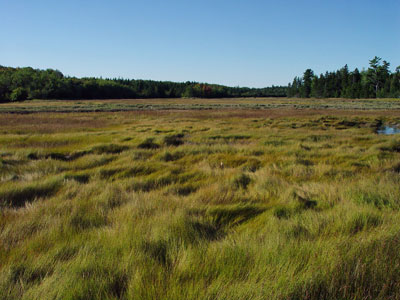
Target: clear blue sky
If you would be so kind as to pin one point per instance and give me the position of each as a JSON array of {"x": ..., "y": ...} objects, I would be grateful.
[{"x": 248, "y": 43}]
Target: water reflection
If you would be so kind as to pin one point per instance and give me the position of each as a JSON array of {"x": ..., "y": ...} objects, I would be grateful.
[{"x": 388, "y": 130}]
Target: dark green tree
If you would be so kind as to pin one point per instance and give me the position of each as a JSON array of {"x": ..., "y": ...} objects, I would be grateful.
[
  {"x": 395, "y": 84},
  {"x": 18, "y": 94},
  {"x": 377, "y": 81},
  {"x": 305, "y": 90},
  {"x": 377, "y": 74}
]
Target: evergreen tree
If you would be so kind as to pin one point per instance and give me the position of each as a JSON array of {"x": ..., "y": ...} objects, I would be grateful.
[
  {"x": 344, "y": 83},
  {"x": 377, "y": 81},
  {"x": 294, "y": 90},
  {"x": 395, "y": 84},
  {"x": 378, "y": 73},
  {"x": 355, "y": 84},
  {"x": 305, "y": 90}
]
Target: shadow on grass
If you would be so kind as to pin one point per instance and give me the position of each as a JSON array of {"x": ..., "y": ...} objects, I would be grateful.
[
  {"x": 17, "y": 195},
  {"x": 228, "y": 216}
]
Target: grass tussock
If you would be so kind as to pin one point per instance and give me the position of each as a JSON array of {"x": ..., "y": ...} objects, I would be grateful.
[
  {"x": 148, "y": 144},
  {"x": 17, "y": 194},
  {"x": 81, "y": 178},
  {"x": 108, "y": 149},
  {"x": 174, "y": 139},
  {"x": 229, "y": 216}
]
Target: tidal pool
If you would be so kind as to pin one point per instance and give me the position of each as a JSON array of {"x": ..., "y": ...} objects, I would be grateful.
[{"x": 388, "y": 130}]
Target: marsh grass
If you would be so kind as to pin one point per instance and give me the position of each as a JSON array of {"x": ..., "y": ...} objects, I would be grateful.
[
  {"x": 17, "y": 194},
  {"x": 174, "y": 139},
  {"x": 148, "y": 144},
  {"x": 200, "y": 205}
]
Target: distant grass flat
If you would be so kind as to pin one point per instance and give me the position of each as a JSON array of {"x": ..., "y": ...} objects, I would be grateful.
[
  {"x": 197, "y": 104},
  {"x": 200, "y": 199}
]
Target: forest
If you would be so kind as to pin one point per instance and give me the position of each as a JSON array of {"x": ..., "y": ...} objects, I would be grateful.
[
  {"x": 18, "y": 84},
  {"x": 375, "y": 82}
]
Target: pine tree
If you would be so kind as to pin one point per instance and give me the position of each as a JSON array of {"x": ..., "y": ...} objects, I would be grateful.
[
  {"x": 395, "y": 84},
  {"x": 377, "y": 74},
  {"x": 344, "y": 83},
  {"x": 307, "y": 80},
  {"x": 355, "y": 84}
]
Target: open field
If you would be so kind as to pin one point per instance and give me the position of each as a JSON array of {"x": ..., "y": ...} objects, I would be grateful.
[
  {"x": 198, "y": 104},
  {"x": 174, "y": 202}
]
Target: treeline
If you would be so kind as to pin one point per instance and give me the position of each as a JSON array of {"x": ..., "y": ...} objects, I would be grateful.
[
  {"x": 18, "y": 84},
  {"x": 375, "y": 82}
]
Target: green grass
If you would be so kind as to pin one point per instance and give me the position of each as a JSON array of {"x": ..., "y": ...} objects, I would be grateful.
[
  {"x": 228, "y": 204},
  {"x": 18, "y": 194}
]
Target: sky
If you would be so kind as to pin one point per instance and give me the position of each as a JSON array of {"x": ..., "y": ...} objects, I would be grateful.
[{"x": 250, "y": 43}]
